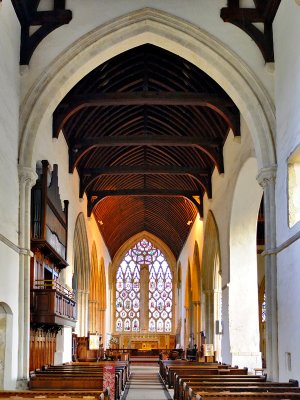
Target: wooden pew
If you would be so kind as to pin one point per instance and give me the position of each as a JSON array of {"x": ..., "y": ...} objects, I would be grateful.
[
  {"x": 200, "y": 370},
  {"x": 183, "y": 381},
  {"x": 122, "y": 368},
  {"x": 77, "y": 376},
  {"x": 164, "y": 364},
  {"x": 246, "y": 396},
  {"x": 191, "y": 389},
  {"x": 52, "y": 394}
]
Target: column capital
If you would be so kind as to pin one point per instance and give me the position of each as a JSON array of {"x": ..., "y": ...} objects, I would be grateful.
[
  {"x": 267, "y": 175},
  {"x": 27, "y": 175}
]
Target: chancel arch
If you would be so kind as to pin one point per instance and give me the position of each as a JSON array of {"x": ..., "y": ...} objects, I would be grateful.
[
  {"x": 212, "y": 284},
  {"x": 81, "y": 275},
  {"x": 173, "y": 34},
  {"x": 144, "y": 294},
  {"x": 243, "y": 322}
]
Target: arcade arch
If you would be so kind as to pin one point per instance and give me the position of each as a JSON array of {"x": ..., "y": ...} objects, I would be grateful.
[
  {"x": 81, "y": 275},
  {"x": 212, "y": 284}
]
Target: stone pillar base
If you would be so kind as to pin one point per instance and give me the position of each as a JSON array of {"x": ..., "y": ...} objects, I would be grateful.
[{"x": 22, "y": 384}]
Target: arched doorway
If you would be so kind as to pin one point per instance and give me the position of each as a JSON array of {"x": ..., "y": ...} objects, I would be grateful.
[
  {"x": 212, "y": 285},
  {"x": 81, "y": 275}
]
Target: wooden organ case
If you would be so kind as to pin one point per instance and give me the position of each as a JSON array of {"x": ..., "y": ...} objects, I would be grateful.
[{"x": 52, "y": 304}]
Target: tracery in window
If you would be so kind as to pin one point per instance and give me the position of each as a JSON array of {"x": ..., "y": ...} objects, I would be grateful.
[
  {"x": 263, "y": 309},
  {"x": 155, "y": 285}
]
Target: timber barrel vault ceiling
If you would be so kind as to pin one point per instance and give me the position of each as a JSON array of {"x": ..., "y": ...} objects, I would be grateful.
[{"x": 145, "y": 131}]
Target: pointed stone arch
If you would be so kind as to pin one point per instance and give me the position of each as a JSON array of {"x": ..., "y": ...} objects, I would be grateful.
[
  {"x": 212, "y": 282},
  {"x": 156, "y": 241},
  {"x": 81, "y": 275},
  {"x": 182, "y": 38}
]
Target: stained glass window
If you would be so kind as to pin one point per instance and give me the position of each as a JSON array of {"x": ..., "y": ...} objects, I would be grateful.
[
  {"x": 263, "y": 309},
  {"x": 159, "y": 290}
]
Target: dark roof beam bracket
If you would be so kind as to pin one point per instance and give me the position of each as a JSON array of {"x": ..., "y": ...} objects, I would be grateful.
[
  {"x": 245, "y": 18},
  {"x": 198, "y": 206},
  {"x": 47, "y": 21}
]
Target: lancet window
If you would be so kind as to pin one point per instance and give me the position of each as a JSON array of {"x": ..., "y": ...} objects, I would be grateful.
[{"x": 144, "y": 290}]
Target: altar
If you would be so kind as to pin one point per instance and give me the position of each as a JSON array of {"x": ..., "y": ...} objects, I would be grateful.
[{"x": 146, "y": 341}]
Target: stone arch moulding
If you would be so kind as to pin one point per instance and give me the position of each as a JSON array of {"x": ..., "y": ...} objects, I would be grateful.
[{"x": 148, "y": 25}]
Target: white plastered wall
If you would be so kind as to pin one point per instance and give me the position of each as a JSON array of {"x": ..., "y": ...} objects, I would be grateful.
[
  {"x": 287, "y": 78},
  {"x": 9, "y": 187}
]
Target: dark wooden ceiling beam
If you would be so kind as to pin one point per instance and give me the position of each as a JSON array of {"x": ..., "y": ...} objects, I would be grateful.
[
  {"x": 222, "y": 106},
  {"x": 46, "y": 20},
  {"x": 95, "y": 197},
  {"x": 144, "y": 140},
  {"x": 95, "y": 173},
  {"x": 81, "y": 147},
  {"x": 144, "y": 169},
  {"x": 244, "y": 18}
]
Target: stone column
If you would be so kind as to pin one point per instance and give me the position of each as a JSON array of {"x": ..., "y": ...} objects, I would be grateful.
[
  {"x": 82, "y": 312},
  {"x": 144, "y": 300},
  {"x": 266, "y": 178},
  {"x": 187, "y": 330},
  {"x": 92, "y": 315},
  {"x": 197, "y": 322},
  {"x": 209, "y": 316},
  {"x": 27, "y": 178}
]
